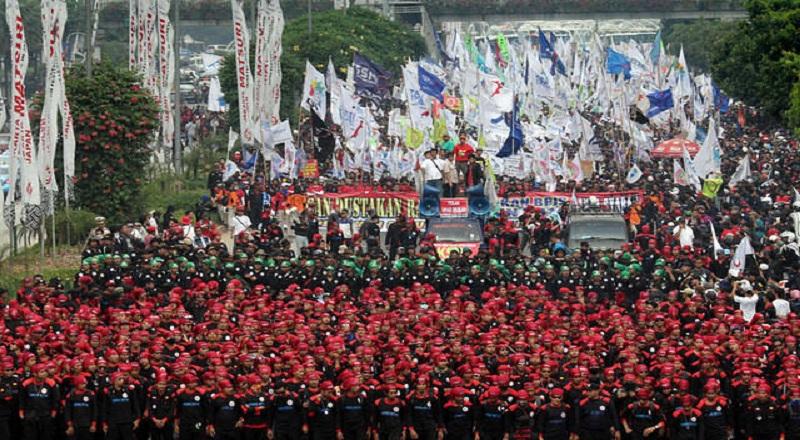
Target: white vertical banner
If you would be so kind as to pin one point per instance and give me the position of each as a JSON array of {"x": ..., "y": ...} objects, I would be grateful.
[
  {"x": 261, "y": 73},
  {"x": 275, "y": 32},
  {"x": 22, "y": 148},
  {"x": 52, "y": 13},
  {"x": 151, "y": 46},
  {"x": 133, "y": 32},
  {"x": 141, "y": 31},
  {"x": 2, "y": 110},
  {"x": 244, "y": 78},
  {"x": 165, "y": 69}
]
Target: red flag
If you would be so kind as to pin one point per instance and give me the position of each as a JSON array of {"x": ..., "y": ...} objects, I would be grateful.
[{"x": 740, "y": 117}]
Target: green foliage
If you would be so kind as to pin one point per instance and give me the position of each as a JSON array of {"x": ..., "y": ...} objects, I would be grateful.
[
  {"x": 756, "y": 62},
  {"x": 336, "y": 35},
  {"x": 170, "y": 190},
  {"x": 699, "y": 39},
  {"x": 79, "y": 222},
  {"x": 115, "y": 120}
]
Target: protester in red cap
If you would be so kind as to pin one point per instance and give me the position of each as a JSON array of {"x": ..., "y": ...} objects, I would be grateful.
[
  {"x": 458, "y": 415},
  {"x": 288, "y": 413},
  {"x": 522, "y": 416},
  {"x": 716, "y": 413},
  {"x": 81, "y": 410},
  {"x": 38, "y": 404},
  {"x": 424, "y": 412},
  {"x": 764, "y": 416},
  {"x": 121, "y": 412},
  {"x": 9, "y": 396},
  {"x": 492, "y": 415},
  {"x": 556, "y": 419},
  {"x": 596, "y": 415},
  {"x": 256, "y": 410},
  {"x": 390, "y": 419},
  {"x": 190, "y": 409},
  {"x": 322, "y": 417},
  {"x": 353, "y": 411},
  {"x": 225, "y": 412},
  {"x": 160, "y": 408},
  {"x": 643, "y": 418},
  {"x": 687, "y": 421}
]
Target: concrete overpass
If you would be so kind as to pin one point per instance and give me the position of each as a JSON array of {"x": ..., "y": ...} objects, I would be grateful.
[{"x": 505, "y": 11}]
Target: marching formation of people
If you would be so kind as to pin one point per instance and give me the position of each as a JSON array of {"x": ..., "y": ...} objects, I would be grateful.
[{"x": 304, "y": 331}]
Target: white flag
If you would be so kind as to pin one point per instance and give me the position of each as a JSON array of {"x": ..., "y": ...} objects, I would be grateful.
[
  {"x": 244, "y": 78},
  {"x": 314, "y": 91},
  {"x": 742, "y": 171},
  {"x": 739, "y": 257},
  {"x": 133, "y": 12},
  {"x": 232, "y": 138},
  {"x": 708, "y": 160},
  {"x": 335, "y": 91},
  {"x": 215, "y": 97},
  {"x": 2, "y": 111},
  {"x": 717, "y": 247},
  {"x": 275, "y": 49},
  {"x": 165, "y": 72},
  {"x": 688, "y": 166},
  {"x": 634, "y": 174},
  {"x": 22, "y": 148},
  {"x": 679, "y": 176},
  {"x": 261, "y": 71},
  {"x": 53, "y": 17}
]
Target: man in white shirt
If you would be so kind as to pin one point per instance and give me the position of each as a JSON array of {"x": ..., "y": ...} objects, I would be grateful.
[
  {"x": 432, "y": 170},
  {"x": 685, "y": 233},
  {"x": 241, "y": 222},
  {"x": 782, "y": 307},
  {"x": 747, "y": 303}
]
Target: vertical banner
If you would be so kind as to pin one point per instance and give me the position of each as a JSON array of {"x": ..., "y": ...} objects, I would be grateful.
[
  {"x": 261, "y": 73},
  {"x": 22, "y": 148},
  {"x": 52, "y": 32},
  {"x": 133, "y": 32},
  {"x": 275, "y": 32},
  {"x": 165, "y": 72},
  {"x": 244, "y": 78},
  {"x": 141, "y": 45}
]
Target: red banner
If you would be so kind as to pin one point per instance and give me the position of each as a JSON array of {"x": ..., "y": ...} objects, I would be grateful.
[
  {"x": 455, "y": 207},
  {"x": 390, "y": 204}
]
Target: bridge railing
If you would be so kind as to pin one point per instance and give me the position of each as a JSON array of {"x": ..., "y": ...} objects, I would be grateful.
[{"x": 480, "y": 7}]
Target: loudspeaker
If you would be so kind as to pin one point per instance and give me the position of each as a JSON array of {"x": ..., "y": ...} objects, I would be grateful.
[
  {"x": 429, "y": 207},
  {"x": 475, "y": 191},
  {"x": 479, "y": 206}
]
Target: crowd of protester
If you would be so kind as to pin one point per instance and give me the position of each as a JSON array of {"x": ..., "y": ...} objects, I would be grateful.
[{"x": 302, "y": 331}]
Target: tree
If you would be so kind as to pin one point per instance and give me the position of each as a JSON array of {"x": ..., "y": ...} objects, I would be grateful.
[
  {"x": 698, "y": 38},
  {"x": 755, "y": 63},
  {"x": 336, "y": 35},
  {"x": 115, "y": 120}
]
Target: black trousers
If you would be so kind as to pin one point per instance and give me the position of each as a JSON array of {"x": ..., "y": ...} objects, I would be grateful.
[
  {"x": 38, "y": 429},
  {"x": 120, "y": 431}
]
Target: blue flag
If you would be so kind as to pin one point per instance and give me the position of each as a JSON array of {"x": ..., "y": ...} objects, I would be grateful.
[
  {"x": 721, "y": 100},
  {"x": 617, "y": 63},
  {"x": 547, "y": 50},
  {"x": 515, "y": 139},
  {"x": 370, "y": 79},
  {"x": 655, "y": 51},
  {"x": 430, "y": 84},
  {"x": 660, "y": 101}
]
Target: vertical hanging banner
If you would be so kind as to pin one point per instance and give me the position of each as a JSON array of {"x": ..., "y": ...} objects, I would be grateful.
[
  {"x": 53, "y": 14},
  {"x": 165, "y": 72},
  {"x": 275, "y": 32},
  {"x": 133, "y": 41},
  {"x": 22, "y": 148},
  {"x": 150, "y": 46},
  {"x": 261, "y": 73},
  {"x": 141, "y": 44},
  {"x": 244, "y": 78}
]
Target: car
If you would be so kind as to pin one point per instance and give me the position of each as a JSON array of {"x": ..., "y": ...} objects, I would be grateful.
[
  {"x": 455, "y": 234},
  {"x": 601, "y": 230}
]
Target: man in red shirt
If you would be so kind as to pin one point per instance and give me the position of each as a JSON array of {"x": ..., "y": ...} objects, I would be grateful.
[{"x": 462, "y": 151}]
